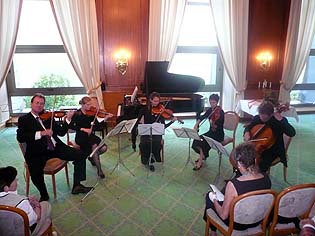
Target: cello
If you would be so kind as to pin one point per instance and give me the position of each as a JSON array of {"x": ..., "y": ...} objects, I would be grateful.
[{"x": 262, "y": 137}]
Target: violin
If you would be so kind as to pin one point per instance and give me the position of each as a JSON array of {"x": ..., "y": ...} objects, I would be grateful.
[
  {"x": 165, "y": 113},
  {"x": 46, "y": 115},
  {"x": 95, "y": 112}
]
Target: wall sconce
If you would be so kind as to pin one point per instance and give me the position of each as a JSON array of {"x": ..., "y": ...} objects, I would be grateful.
[
  {"x": 264, "y": 59},
  {"x": 122, "y": 58}
]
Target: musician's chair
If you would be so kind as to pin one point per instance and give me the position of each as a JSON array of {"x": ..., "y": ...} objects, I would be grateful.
[
  {"x": 231, "y": 120},
  {"x": 52, "y": 167},
  {"x": 287, "y": 141},
  {"x": 247, "y": 208},
  {"x": 294, "y": 201}
]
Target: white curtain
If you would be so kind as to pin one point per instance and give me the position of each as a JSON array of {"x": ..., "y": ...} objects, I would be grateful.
[
  {"x": 10, "y": 11},
  {"x": 165, "y": 20},
  {"x": 298, "y": 44},
  {"x": 76, "y": 20},
  {"x": 231, "y": 24}
]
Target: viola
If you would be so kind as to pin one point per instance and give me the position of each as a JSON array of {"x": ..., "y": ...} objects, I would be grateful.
[
  {"x": 282, "y": 107},
  {"x": 215, "y": 114},
  {"x": 165, "y": 113},
  {"x": 46, "y": 115},
  {"x": 97, "y": 112}
]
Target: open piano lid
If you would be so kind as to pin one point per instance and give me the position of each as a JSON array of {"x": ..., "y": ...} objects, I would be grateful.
[{"x": 156, "y": 78}]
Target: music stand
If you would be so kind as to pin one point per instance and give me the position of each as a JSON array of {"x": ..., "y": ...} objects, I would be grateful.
[
  {"x": 190, "y": 134},
  {"x": 218, "y": 147},
  {"x": 151, "y": 129},
  {"x": 124, "y": 126}
]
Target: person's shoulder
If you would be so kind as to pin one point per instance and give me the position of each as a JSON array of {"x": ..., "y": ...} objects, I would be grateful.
[{"x": 26, "y": 116}]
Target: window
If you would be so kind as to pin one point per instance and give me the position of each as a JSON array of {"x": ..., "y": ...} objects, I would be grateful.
[
  {"x": 40, "y": 63},
  {"x": 303, "y": 93},
  {"x": 197, "y": 52}
]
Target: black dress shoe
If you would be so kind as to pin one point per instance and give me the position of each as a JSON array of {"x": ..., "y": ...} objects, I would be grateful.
[
  {"x": 151, "y": 167},
  {"x": 92, "y": 161},
  {"x": 44, "y": 198},
  {"x": 134, "y": 147},
  {"x": 81, "y": 189}
]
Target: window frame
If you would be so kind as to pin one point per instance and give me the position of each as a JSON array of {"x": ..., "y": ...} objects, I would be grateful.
[{"x": 14, "y": 91}]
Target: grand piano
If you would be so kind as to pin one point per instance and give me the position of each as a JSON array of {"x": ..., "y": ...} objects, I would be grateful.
[{"x": 177, "y": 91}]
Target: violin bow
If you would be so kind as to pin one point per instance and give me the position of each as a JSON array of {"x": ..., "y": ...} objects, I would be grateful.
[
  {"x": 208, "y": 116},
  {"x": 157, "y": 118}
]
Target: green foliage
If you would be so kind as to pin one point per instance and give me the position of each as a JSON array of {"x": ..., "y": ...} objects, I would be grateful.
[
  {"x": 53, "y": 81},
  {"x": 297, "y": 96}
]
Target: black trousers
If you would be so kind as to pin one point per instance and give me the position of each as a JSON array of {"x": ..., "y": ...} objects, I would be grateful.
[{"x": 36, "y": 165}]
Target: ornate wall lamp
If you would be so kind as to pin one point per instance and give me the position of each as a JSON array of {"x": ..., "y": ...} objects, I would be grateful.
[
  {"x": 121, "y": 58},
  {"x": 264, "y": 59}
]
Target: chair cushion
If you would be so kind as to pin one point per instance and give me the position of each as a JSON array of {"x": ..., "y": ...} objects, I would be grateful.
[{"x": 54, "y": 165}]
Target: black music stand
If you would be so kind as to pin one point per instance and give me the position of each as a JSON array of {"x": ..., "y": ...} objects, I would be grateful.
[
  {"x": 218, "y": 147},
  {"x": 124, "y": 126},
  {"x": 190, "y": 134},
  {"x": 151, "y": 129}
]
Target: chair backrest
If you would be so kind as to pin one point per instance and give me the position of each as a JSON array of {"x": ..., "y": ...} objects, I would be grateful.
[
  {"x": 13, "y": 221},
  {"x": 295, "y": 201},
  {"x": 252, "y": 207},
  {"x": 286, "y": 140},
  {"x": 23, "y": 148},
  {"x": 231, "y": 120}
]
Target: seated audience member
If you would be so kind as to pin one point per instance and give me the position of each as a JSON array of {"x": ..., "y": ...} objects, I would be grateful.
[
  {"x": 307, "y": 227},
  {"x": 38, "y": 212},
  {"x": 250, "y": 180},
  {"x": 43, "y": 143}
]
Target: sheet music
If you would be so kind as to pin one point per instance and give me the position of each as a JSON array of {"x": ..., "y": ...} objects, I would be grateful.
[
  {"x": 157, "y": 129},
  {"x": 186, "y": 133},
  {"x": 216, "y": 145},
  {"x": 122, "y": 127},
  {"x": 220, "y": 196}
]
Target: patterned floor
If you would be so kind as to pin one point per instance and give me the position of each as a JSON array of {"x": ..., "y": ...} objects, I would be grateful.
[{"x": 169, "y": 201}]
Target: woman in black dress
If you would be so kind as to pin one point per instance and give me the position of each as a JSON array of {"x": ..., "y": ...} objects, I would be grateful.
[
  {"x": 83, "y": 123},
  {"x": 215, "y": 115},
  {"x": 147, "y": 116},
  {"x": 251, "y": 179}
]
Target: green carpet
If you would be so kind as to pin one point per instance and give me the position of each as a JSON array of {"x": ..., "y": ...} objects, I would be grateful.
[{"x": 169, "y": 201}]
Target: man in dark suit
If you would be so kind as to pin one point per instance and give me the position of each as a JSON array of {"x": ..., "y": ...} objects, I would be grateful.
[{"x": 41, "y": 138}]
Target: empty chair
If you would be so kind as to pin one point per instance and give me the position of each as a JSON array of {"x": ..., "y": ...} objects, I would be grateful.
[
  {"x": 14, "y": 222},
  {"x": 293, "y": 202},
  {"x": 53, "y": 166},
  {"x": 248, "y": 208},
  {"x": 231, "y": 120}
]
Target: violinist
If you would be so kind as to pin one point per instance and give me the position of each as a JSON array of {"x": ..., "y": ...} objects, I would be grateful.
[
  {"x": 279, "y": 125},
  {"x": 37, "y": 134},
  {"x": 148, "y": 115},
  {"x": 83, "y": 122},
  {"x": 215, "y": 115}
]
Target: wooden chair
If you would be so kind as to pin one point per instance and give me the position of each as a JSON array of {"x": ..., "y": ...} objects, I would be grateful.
[
  {"x": 287, "y": 141},
  {"x": 247, "y": 208},
  {"x": 14, "y": 222},
  {"x": 231, "y": 120},
  {"x": 53, "y": 166},
  {"x": 294, "y": 201}
]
